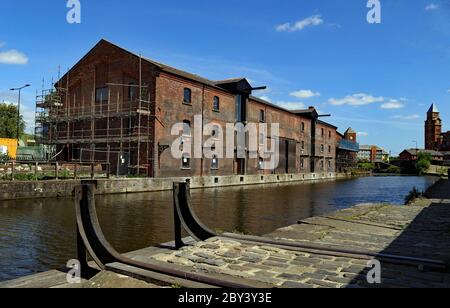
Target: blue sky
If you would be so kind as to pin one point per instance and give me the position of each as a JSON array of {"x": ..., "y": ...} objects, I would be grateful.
[{"x": 379, "y": 79}]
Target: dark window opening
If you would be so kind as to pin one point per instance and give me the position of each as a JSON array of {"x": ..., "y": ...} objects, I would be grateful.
[
  {"x": 216, "y": 103},
  {"x": 215, "y": 163},
  {"x": 303, "y": 126},
  {"x": 101, "y": 95},
  {"x": 262, "y": 116},
  {"x": 132, "y": 91},
  {"x": 187, "y": 96},
  {"x": 186, "y": 161},
  {"x": 241, "y": 110},
  {"x": 187, "y": 128}
]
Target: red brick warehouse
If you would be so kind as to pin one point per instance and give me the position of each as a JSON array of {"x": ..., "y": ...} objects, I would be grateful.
[{"x": 114, "y": 106}]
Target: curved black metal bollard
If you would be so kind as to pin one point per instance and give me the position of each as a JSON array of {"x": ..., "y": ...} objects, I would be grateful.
[
  {"x": 185, "y": 217},
  {"x": 90, "y": 239}
]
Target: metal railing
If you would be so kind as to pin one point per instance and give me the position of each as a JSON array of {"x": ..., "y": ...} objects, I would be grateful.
[{"x": 35, "y": 171}]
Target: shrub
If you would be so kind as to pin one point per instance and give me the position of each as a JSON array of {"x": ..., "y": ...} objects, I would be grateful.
[
  {"x": 413, "y": 195},
  {"x": 423, "y": 163},
  {"x": 4, "y": 157},
  {"x": 394, "y": 169}
]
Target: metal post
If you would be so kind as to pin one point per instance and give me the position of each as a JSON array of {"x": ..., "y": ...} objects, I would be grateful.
[
  {"x": 12, "y": 171},
  {"x": 56, "y": 170},
  {"x": 36, "y": 171},
  {"x": 75, "y": 172},
  {"x": 92, "y": 171},
  {"x": 177, "y": 222}
]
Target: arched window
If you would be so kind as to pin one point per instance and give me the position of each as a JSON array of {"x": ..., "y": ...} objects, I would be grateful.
[{"x": 187, "y": 96}]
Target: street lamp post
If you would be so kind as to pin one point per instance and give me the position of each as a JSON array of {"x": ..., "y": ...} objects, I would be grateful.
[{"x": 18, "y": 111}]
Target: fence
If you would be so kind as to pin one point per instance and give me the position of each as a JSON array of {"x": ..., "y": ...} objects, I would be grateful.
[{"x": 26, "y": 171}]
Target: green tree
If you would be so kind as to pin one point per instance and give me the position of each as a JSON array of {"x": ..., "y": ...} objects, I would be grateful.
[
  {"x": 8, "y": 121},
  {"x": 423, "y": 162}
]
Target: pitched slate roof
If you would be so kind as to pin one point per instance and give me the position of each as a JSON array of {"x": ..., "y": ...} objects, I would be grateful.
[{"x": 418, "y": 151}]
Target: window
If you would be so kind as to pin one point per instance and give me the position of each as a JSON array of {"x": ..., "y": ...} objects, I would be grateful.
[
  {"x": 186, "y": 161},
  {"x": 329, "y": 134},
  {"x": 321, "y": 165},
  {"x": 302, "y": 164},
  {"x": 215, "y": 163},
  {"x": 323, "y": 132},
  {"x": 241, "y": 111},
  {"x": 322, "y": 148},
  {"x": 329, "y": 149},
  {"x": 262, "y": 138},
  {"x": 132, "y": 91},
  {"x": 215, "y": 131},
  {"x": 187, "y": 96},
  {"x": 260, "y": 163},
  {"x": 329, "y": 165},
  {"x": 303, "y": 126},
  {"x": 216, "y": 103},
  {"x": 262, "y": 116},
  {"x": 101, "y": 95},
  {"x": 187, "y": 128},
  {"x": 303, "y": 145}
]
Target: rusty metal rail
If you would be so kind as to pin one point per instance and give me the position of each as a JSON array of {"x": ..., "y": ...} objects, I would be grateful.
[
  {"x": 91, "y": 240},
  {"x": 197, "y": 230}
]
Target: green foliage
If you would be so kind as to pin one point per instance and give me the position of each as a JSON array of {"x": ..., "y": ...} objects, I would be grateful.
[
  {"x": 4, "y": 157},
  {"x": 394, "y": 169},
  {"x": 423, "y": 163},
  {"x": 413, "y": 195},
  {"x": 8, "y": 122},
  {"x": 366, "y": 165}
]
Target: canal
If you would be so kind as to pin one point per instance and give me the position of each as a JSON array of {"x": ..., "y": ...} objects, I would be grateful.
[{"x": 39, "y": 235}]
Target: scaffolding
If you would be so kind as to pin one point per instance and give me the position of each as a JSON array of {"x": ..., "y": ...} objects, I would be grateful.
[{"x": 116, "y": 129}]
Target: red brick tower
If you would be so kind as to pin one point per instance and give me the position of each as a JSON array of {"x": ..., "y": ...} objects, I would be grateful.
[
  {"x": 433, "y": 129},
  {"x": 350, "y": 134}
]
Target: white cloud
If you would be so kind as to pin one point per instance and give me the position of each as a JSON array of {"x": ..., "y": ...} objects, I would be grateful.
[
  {"x": 407, "y": 117},
  {"x": 13, "y": 57},
  {"x": 448, "y": 90},
  {"x": 265, "y": 97},
  {"x": 291, "y": 105},
  {"x": 304, "y": 94},
  {"x": 393, "y": 104},
  {"x": 285, "y": 105},
  {"x": 359, "y": 99},
  {"x": 432, "y": 7},
  {"x": 312, "y": 21},
  {"x": 362, "y": 134},
  {"x": 2, "y": 44}
]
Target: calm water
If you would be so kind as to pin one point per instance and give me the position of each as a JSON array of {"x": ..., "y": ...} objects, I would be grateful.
[{"x": 38, "y": 235}]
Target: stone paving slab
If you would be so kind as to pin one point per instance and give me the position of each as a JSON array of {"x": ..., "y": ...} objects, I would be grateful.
[{"x": 417, "y": 230}]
